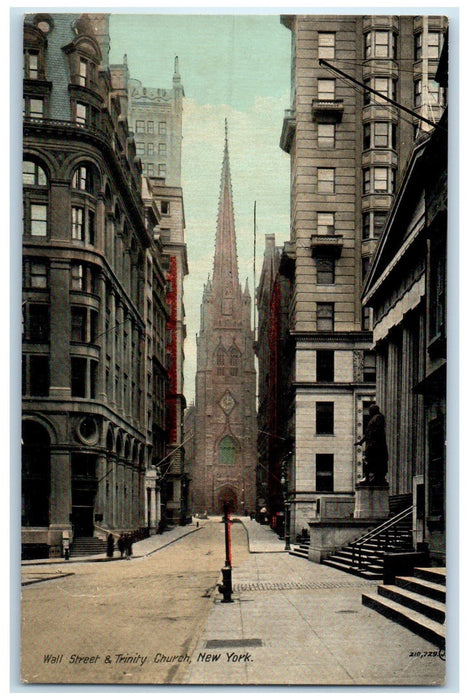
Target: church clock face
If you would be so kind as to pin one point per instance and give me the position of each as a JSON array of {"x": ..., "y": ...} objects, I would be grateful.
[{"x": 227, "y": 402}]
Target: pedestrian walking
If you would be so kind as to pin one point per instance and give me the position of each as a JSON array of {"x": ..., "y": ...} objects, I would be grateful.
[
  {"x": 128, "y": 546},
  {"x": 121, "y": 545},
  {"x": 110, "y": 545}
]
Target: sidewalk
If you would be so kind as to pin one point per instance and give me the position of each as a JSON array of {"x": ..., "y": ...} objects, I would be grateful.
[
  {"x": 294, "y": 622},
  {"x": 143, "y": 548}
]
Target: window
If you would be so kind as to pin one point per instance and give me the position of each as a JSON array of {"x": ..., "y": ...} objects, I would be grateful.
[
  {"x": 150, "y": 127},
  {"x": 381, "y": 179},
  {"x": 384, "y": 135},
  {"x": 78, "y": 228},
  {"x": 324, "y": 472},
  {"x": 37, "y": 326},
  {"x": 325, "y": 365},
  {"x": 435, "y": 94},
  {"x": 385, "y": 86},
  {"x": 78, "y": 317},
  {"x": 378, "y": 179},
  {"x": 324, "y": 417},
  {"x": 151, "y": 170},
  {"x": 325, "y": 270},
  {"x": 79, "y": 376},
  {"x": 417, "y": 93},
  {"x": 227, "y": 451},
  {"x": 39, "y": 378},
  {"x": 38, "y": 219},
  {"x": 165, "y": 207},
  {"x": 324, "y": 316},
  {"x": 33, "y": 107},
  {"x": 326, "y": 45},
  {"x": 39, "y": 275},
  {"x": 366, "y": 180},
  {"x": 139, "y": 148},
  {"x": 326, "y": 89},
  {"x": 33, "y": 174},
  {"x": 326, "y": 223},
  {"x": 151, "y": 149},
  {"x": 162, "y": 128},
  {"x": 366, "y": 226},
  {"x": 83, "y": 179},
  {"x": 379, "y": 219},
  {"x": 83, "y": 72},
  {"x": 326, "y": 180},
  {"x": 81, "y": 113},
  {"x": 366, "y": 318},
  {"x": 418, "y": 43},
  {"x": 369, "y": 367},
  {"x": 434, "y": 45},
  {"x": 380, "y": 44},
  {"x": 162, "y": 170},
  {"x": 31, "y": 64},
  {"x": 140, "y": 126},
  {"x": 326, "y": 135},
  {"x": 220, "y": 362},
  {"x": 83, "y": 224},
  {"x": 234, "y": 362},
  {"x": 162, "y": 150}
]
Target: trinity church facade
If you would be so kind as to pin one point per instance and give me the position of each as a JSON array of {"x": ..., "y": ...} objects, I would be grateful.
[{"x": 225, "y": 400}]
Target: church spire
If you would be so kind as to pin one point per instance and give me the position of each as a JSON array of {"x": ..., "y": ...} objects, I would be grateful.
[{"x": 225, "y": 265}]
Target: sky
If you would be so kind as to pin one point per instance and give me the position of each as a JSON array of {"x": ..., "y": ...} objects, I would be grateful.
[{"x": 235, "y": 67}]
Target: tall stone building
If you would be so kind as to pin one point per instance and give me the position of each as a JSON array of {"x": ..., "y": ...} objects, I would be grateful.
[
  {"x": 155, "y": 118},
  {"x": 348, "y": 147},
  {"x": 94, "y": 295},
  {"x": 225, "y": 411}
]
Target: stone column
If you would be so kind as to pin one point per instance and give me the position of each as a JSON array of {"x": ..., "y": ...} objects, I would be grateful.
[
  {"x": 60, "y": 373},
  {"x": 60, "y": 488},
  {"x": 103, "y": 339},
  {"x": 152, "y": 520}
]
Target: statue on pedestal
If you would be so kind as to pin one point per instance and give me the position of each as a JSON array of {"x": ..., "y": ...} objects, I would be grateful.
[{"x": 375, "y": 465}]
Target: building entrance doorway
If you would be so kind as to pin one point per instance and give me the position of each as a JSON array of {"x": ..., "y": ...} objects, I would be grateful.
[
  {"x": 84, "y": 488},
  {"x": 83, "y": 521},
  {"x": 227, "y": 495}
]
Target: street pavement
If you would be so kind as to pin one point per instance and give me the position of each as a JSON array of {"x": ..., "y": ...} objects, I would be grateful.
[
  {"x": 291, "y": 622},
  {"x": 295, "y": 622}
]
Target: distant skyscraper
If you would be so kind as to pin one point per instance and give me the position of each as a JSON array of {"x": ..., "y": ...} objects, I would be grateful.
[{"x": 225, "y": 413}]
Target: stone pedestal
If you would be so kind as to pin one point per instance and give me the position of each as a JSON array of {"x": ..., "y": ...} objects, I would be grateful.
[{"x": 371, "y": 501}]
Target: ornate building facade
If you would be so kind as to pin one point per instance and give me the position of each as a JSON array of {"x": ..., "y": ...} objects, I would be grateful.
[
  {"x": 225, "y": 452},
  {"x": 94, "y": 295}
]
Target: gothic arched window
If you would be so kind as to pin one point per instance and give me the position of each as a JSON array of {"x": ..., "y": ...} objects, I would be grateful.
[
  {"x": 234, "y": 361},
  {"x": 220, "y": 361},
  {"x": 227, "y": 451}
]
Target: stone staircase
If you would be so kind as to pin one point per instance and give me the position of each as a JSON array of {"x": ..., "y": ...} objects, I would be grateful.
[
  {"x": 417, "y": 602},
  {"x": 87, "y": 546},
  {"x": 301, "y": 548},
  {"x": 365, "y": 556}
]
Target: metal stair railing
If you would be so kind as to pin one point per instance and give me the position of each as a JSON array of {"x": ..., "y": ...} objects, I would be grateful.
[{"x": 379, "y": 531}]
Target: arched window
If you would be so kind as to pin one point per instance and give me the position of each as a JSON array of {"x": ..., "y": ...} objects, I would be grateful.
[
  {"x": 84, "y": 179},
  {"x": 234, "y": 361},
  {"x": 220, "y": 361},
  {"x": 227, "y": 451}
]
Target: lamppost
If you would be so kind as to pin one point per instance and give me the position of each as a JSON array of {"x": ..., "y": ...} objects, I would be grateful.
[
  {"x": 286, "y": 502},
  {"x": 226, "y": 587}
]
